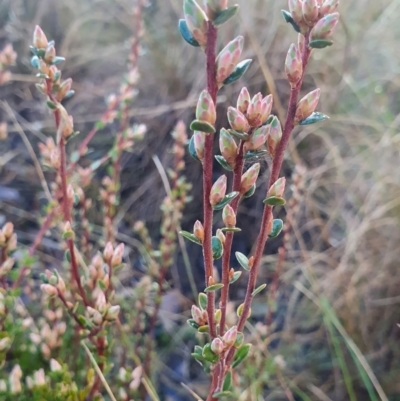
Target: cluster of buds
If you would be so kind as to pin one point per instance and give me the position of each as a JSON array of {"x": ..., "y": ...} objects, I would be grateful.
[
  {"x": 37, "y": 380},
  {"x": 102, "y": 309},
  {"x": 8, "y": 239},
  {"x": 53, "y": 284},
  {"x": 7, "y": 59},
  {"x": 98, "y": 272},
  {"x": 222, "y": 344},
  {"x": 130, "y": 136},
  {"x": 50, "y": 153},
  {"x": 180, "y": 140},
  {"x": 134, "y": 378}
]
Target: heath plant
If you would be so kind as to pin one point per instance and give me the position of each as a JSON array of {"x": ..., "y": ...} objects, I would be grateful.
[{"x": 253, "y": 131}]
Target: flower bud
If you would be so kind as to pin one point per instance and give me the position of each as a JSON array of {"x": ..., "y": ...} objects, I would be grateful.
[
  {"x": 206, "y": 109},
  {"x": 50, "y": 54},
  {"x": 113, "y": 312},
  {"x": 198, "y": 230},
  {"x": 199, "y": 144},
  {"x": 274, "y": 136},
  {"x": 61, "y": 285},
  {"x": 228, "y": 147},
  {"x": 296, "y": 10},
  {"x": 49, "y": 289},
  {"x": 249, "y": 178},
  {"x": 251, "y": 262},
  {"x": 243, "y": 101},
  {"x": 196, "y": 20},
  {"x": 108, "y": 252},
  {"x": 199, "y": 316},
  {"x": 229, "y": 216},
  {"x": 8, "y": 230},
  {"x": 213, "y": 7},
  {"x": 55, "y": 366},
  {"x": 307, "y": 105},
  {"x": 101, "y": 303},
  {"x": 7, "y": 266},
  {"x": 221, "y": 236},
  {"x": 229, "y": 337},
  {"x": 5, "y": 343},
  {"x": 310, "y": 11},
  {"x": 237, "y": 120},
  {"x": 266, "y": 107},
  {"x": 217, "y": 346},
  {"x": 258, "y": 139},
  {"x": 329, "y": 7},
  {"x": 325, "y": 27},
  {"x": 68, "y": 231},
  {"x": 293, "y": 65},
  {"x": 278, "y": 188},
  {"x": 39, "y": 38},
  {"x": 218, "y": 190},
  {"x": 228, "y": 59},
  {"x": 117, "y": 255},
  {"x": 65, "y": 87}
]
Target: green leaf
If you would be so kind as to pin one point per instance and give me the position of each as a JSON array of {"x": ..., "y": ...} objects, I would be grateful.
[
  {"x": 208, "y": 355},
  {"x": 289, "y": 19},
  {"x": 250, "y": 192},
  {"x": 202, "y": 126},
  {"x": 203, "y": 329},
  {"x": 214, "y": 287},
  {"x": 258, "y": 290},
  {"x": 227, "y": 199},
  {"x": 186, "y": 34},
  {"x": 231, "y": 229},
  {"x": 202, "y": 300},
  {"x": 277, "y": 228},
  {"x": 238, "y": 72},
  {"x": 315, "y": 117},
  {"x": 239, "y": 340},
  {"x": 320, "y": 43},
  {"x": 222, "y": 394},
  {"x": 68, "y": 256},
  {"x": 35, "y": 62},
  {"x": 95, "y": 165},
  {"x": 255, "y": 153},
  {"x": 190, "y": 237},
  {"x": 69, "y": 94},
  {"x": 227, "y": 382},
  {"x": 33, "y": 50},
  {"x": 51, "y": 105},
  {"x": 242, "y": 259},
  {"x": 192, "y": 149},
  {"x": 241, "y": 355},
  {"x": 239, "y": 135},
  {"x": 217, "y": 248},
  {"x": 225, "y": 15},
  {"x": 274, "y": 201},
  {"x": 235, "y": 277},
  {"x": 221, "y": 160},
  {"x": 193, "y": 324},
  {"x": 198, "y": 350},
  {"x": 58, "y": 60}
]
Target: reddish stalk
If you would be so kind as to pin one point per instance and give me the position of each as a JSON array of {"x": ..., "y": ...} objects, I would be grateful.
[{"x": 212, "y": 88}]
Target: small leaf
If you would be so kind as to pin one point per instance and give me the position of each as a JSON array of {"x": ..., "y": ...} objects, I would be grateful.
[
  {"x": 190, "y": 237},
  {"x": 255, "y": 153},
  {"x": 228, "y": 199},
  {"x": 235, "y": 277},
  {"x": 198, "y": 350},
  {"x": 35, "y": 62},
  {"x": 250, "y": 192},
  {"x": 193, "y": 324},
  {"x": 274, "y": 201},
  {"x": 203, "y": 329},
  {"x": 258, "y": 290},
  {"x": 214, "y": 287},
  {"x": 221, "y": 160},
  {"x": 57, "y": 60},
  {"x": 227, "y": 382},
  {"x": 202, "y": 300},
  {"x": 239, "y": 340},
  {"x": 222, "y": 394},
  {"x": 51, "y": 105},
  {"x": 217, "y": 248},
  {"x": 238, "y": 72},
  {"x": 225, "y": 15},
  {"x": 186, "y": 34},
  {"x": 320, "y": 43},
  {"x": 42, "y": 76},
  {"x": 69, "y": 94},
  {"x": 68, "y": 256},
  {"x": 239, "y": 135},
  {"x": 242, "y": 259},
  {"x": 289, "y": 19},
  {"x": 277, "y": 228},
  {"x": 231, "y": 230},
  {"x": 208, "y": 355},
  {"x": 241, "y": 355},
  {"x": 314, "y": 118},
  {"x": 192, "y": 149},
  {"x": 33, "y": 50},
  {"x": 95, "y": 165},
  {"x": 269, "y": 120},
  {"x": 202, "y": 126}
]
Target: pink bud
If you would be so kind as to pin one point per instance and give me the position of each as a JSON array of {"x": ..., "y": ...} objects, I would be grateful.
[
  {"x": 237, "y": 120},
  {"x": 199, "y": 144},
  {"x": 258, "y": 138},
  {"x": 117, "y": 256},
  {"x": 275, "y": 136},
  {"x": 229, "y": 337},
  {"x": 228, "y": 147},
  {"x": 266, "y": 107},
  {"x": 196, "y": 20},
  {"x": 199, "y": 316},
  {"x": 307, "y": 105},
  {"x": 113, "y": 312},
  {"x": 50, "y": 54},
  {"x": 278, "y": 188},
  {"x": 39, "y": 38},
  {"x": 221, "y": 236},
  {"x": 296, "y": 10},
  {"x": 217, "y": 346},
  {"x": 218, "y": 190},
  {"x": 249, "y": 178},
  {"x": 254, "y": 111},
  {"x": 310, "y": 11},
  {"x": 198, "y": 230},
  {"x": 8, "y": 230},
  {"x": 228, "y": 59},
  {"x": 293, "y": 66},
  {"x": 329, "y": 7},
  {"x": 206, "y": 109},
  {"x": 243, "y": 101},
  {"x": 108, "y": 252},
  {"x": 229, "y": 216},
  {"x": 325, "y": 27},
  {"x": 49, "y": 289},
  {"x": 65, "y": 87}
]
